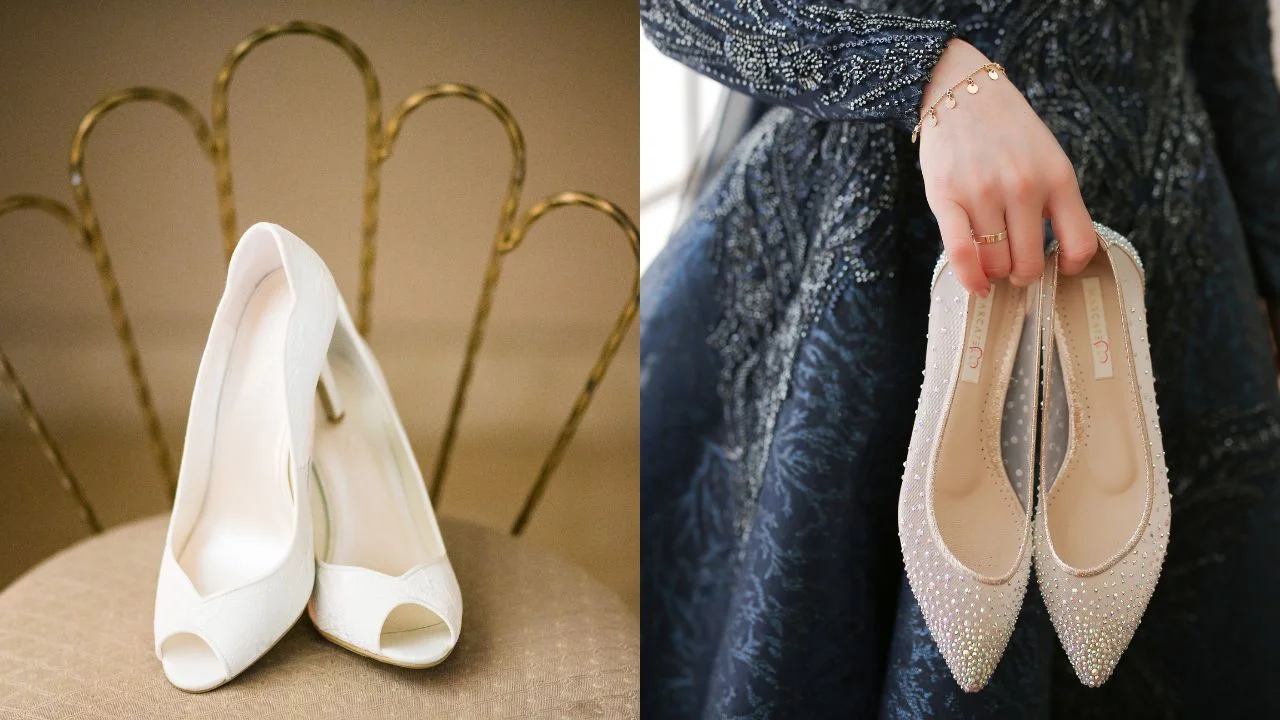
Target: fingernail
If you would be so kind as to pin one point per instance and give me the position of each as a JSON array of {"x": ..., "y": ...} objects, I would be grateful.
[{"x": 984, "y": 292}]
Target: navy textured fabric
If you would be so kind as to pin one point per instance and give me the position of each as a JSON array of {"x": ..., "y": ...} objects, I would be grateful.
[{"x": 783, "y": 333}]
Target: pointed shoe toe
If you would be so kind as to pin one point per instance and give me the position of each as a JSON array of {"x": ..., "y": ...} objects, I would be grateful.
[
  {"x": 972, "y": 627},
  {"x": 964, "y": 511},
  {"x": 1094, "y": 646},
  {"x": 1096, "y": 613},
  {"x": 1096, "y": 616}
]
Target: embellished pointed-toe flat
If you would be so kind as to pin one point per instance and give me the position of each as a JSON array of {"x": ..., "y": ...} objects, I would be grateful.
[
  {"x": 1102, "y": 526},
  {"x": 964, "y": 513}
]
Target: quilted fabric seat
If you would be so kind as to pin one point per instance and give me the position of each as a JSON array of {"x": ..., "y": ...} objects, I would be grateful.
[{"x": 540, "y": 639}]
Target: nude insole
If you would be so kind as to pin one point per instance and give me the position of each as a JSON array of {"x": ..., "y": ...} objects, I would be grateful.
[
  {"x": 363, "y": 472},
  {"x": 1097, "y": 500},
  {"x": 244, "y": 527},
  {"x": 978, "y": 513}
]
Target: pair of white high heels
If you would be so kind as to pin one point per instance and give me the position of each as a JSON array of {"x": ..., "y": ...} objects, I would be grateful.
[
  {"x": 286, "y": 504},
  {"x": 1101, "y": 526}
]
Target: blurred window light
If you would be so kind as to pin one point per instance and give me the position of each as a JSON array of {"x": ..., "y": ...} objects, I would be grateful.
[{"x": 676, "y": 108}]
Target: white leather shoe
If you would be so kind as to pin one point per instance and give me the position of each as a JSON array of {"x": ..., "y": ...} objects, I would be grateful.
[
  {"x": 964, "y": 512},
  {"x": 238, "y": 559},
  {"x": 384, "y": 585},
  {"x": 1102, "y": 527}
]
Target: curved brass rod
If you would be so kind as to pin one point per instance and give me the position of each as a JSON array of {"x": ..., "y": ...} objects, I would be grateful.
[
  {"x": 58, "y": 210},
  {"x": 373, "y": 137},
  {"x": 510, "y": 203},
  {"x": 515, "y": 182},
  {"x": 102, "y": 260},
  {"x": 9, "y": 376},
  {"x": 607, "y": 352},
  {"x": 582, "y": 199}
]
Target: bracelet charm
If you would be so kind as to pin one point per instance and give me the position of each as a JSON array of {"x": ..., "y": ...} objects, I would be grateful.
[{"x": 992, "y": 70}]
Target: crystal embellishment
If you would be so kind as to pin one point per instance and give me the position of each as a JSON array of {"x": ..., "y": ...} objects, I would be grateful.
[
  {"x": 1096, "y": 611},
  {"x": 970, "y": 616}
]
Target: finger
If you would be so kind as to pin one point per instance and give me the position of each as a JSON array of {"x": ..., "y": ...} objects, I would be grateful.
[
  {"x": 953, "y": 223},
  {"x": 1026, "y": 240},
  {"x": 1077, "y": 240},
  {"x": 994, "y": 257},
  {"x": 987, "y": 214}
]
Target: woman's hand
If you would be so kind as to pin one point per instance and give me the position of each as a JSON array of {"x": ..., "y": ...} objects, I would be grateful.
[{"x": 991, "y": 165}]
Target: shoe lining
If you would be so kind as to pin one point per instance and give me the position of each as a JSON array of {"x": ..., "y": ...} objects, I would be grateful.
[
  {"x": 977, "y": 511},
  {"x": 368, "y": 517},
  {"x": 1097, "y": 499},
  {"x": 244, "y": 526}
]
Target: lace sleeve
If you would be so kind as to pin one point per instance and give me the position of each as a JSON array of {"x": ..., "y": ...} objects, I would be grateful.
[
  {"x": 1230, "y": 57},
  {"x": 830, "y": 61}
]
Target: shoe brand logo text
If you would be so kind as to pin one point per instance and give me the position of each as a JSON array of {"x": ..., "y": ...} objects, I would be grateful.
[
  {"x": 1096, "y": 316},
  {"x": 975, "y": 341}
]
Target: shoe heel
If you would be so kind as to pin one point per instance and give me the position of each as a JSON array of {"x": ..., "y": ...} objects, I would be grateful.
[{"x": 330, "y": 400}]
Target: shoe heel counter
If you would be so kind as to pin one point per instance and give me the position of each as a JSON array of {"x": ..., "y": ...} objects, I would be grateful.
[{"x": 315, "y": 296}]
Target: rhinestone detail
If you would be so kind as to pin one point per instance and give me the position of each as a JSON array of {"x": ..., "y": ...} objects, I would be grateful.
[
  {"x": 1096, "y": 614},
  {"x": 969, "y": 617}
]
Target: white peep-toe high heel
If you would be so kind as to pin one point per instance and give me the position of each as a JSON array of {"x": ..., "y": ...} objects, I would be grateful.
[
  {"x": 238, "y": 562},
  {"x": 384, "y": 585}
]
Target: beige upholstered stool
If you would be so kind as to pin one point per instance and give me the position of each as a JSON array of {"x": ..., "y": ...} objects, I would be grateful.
[{"x": 540, "y": 639}]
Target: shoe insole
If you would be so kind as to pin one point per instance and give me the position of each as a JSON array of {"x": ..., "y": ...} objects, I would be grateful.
[
  {"x": 1096, "y": 501},
  {"x": 979, "y": 515},
  {"x": 244, "y": 527},
  {"x": 364, "y": 474}
]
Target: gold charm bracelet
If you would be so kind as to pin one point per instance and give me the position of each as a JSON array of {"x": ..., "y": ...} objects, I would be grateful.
[{"x": 993, "y": 71}]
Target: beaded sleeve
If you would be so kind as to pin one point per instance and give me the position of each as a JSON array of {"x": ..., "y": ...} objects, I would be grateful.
[
  {"x": 827, "y": 60},
  {"x": 1230, "y": 57}
]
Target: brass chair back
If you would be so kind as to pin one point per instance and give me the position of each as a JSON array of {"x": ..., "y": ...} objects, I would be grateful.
[{"x": 214, "y": 139}]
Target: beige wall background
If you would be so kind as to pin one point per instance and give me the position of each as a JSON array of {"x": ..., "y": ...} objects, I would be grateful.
[{"x": 567, "y": 70}]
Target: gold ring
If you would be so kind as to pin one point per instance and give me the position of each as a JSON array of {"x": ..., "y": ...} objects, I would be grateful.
[{"x": 988, "y": 239}]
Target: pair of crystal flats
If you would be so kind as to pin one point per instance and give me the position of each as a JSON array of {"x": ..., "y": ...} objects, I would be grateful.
[
  {"x": 1101, "y": 523},
  {"x": 289, "y": 502}
]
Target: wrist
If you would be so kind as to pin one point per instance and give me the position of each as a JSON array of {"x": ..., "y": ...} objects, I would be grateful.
[{"x": 957, "y": 61}]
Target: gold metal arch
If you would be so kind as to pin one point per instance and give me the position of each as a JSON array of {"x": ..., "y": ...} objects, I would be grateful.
[
  {"x": 372, "y": 155},
  {"x": 88, "y": 221},
  {"x": 214, "y": 141},
  {"x": 501, "y": 238},
  {"x": 9, "y": 376},
  {"x": 611, "y": 343}
]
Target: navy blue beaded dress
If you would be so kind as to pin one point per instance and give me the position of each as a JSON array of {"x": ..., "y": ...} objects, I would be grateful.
[{"x": 783, "y": 335}]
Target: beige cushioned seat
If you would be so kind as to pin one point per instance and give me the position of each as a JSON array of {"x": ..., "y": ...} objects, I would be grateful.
[{"x": 540, "y": 639}]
